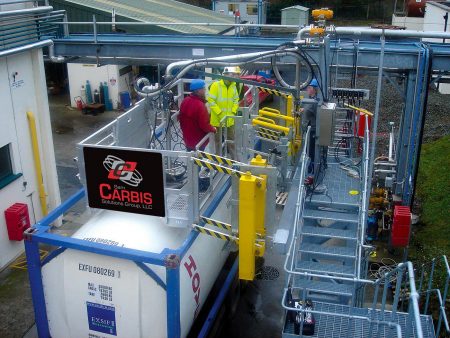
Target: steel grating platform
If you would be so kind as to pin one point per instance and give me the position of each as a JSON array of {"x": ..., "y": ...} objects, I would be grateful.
[
  {"x": 337, "y": 251},
  {"x": 326, "y": 268},
  {"x": 330, "y": 215},
  {"x": 332, "y": 326},
  {"x": 328, "y": 232},
  {"x": 339, "y": 184},
  {"x": 322, "y": 287}
]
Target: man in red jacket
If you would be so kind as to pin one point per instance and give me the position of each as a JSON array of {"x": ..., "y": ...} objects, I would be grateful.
[{"x": 194, "y": 117}]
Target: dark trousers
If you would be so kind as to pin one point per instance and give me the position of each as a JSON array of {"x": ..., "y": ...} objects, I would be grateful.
[{"x": 312, "y": 150}]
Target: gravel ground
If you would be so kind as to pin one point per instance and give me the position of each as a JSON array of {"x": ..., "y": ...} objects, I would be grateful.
[{"x": 437, "y": 120}]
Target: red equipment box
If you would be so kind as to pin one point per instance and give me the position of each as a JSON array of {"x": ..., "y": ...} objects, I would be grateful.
[
  {"x": 401, "y": 226},
  {"x": 17, "y": 221}
]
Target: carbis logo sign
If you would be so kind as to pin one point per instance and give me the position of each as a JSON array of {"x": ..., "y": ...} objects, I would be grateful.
[{"x": 125, "y": 180}]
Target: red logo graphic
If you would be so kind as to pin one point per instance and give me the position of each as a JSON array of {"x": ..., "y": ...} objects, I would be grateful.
[{"x": 124, "y": 171}]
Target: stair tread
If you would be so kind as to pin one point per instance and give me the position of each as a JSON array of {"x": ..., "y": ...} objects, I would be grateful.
[
  {"x": 338, "y": 269},
  {"x": 325, "y": 287},
  {"x": 331, "y": 215},
  {"x": 328, "y": 250},
  {"x": 319, "y": 231}
]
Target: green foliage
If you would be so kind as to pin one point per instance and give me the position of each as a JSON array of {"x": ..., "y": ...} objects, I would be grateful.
[
  {"x": 431, "y": 238},
  {"x": 433, "y": 188}
]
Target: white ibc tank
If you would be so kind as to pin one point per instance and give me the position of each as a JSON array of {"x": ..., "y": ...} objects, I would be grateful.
[{"x": 89, "y": 295}]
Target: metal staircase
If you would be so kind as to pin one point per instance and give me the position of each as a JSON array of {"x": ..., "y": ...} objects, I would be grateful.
[{"x": 327, "y": 263}]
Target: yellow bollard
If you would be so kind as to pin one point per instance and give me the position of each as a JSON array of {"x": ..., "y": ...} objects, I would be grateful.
[{"x": 247, "y": 226}]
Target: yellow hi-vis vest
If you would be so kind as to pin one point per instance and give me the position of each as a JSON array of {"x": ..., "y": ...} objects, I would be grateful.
[{"x": 223, "y": 101}]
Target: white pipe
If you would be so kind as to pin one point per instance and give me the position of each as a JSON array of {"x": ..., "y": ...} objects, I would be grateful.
[
  {"x": 52, "y": 57},
  {"x": 28, "y": 11},
  {"x": 230, "y": 58},
  {"x": 391, "y": 143},
  {"x": 391, "y": 33},
  {"x": 360, "y": 31},
  {"x": 16, "y": 50}
]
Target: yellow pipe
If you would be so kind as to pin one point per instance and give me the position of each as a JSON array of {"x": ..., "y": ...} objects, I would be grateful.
[
  {"x": 275, "y": 115},
  {"x": 273, "y": 110},
  {"x": 360, "y": 110},
  {"x": 37, "y": 162},
  {"x": 261, "y": 121}
]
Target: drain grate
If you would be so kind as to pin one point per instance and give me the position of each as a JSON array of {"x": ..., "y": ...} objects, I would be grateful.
[{"x": 268, "y": 273}]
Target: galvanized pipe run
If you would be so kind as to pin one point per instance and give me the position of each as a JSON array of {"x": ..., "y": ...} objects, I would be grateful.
[
  {"x": 27, "y": 11},
  {"x": 21, "y": 49},
  {"x": 358, "y": 32}
]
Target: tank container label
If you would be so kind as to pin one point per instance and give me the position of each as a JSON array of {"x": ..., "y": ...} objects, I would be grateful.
[{"x": 102, "y": 318}]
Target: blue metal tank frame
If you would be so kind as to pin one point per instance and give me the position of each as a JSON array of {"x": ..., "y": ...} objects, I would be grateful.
[{"x": 169, "y": 258}]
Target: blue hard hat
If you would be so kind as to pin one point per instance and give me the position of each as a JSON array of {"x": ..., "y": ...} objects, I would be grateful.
[
  {"x": 314, "y": 83},
  {"x": 197, "y": 84}
]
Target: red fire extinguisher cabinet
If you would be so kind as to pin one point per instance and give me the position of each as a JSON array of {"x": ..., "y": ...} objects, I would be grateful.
[{"x": 17, "y": 221}]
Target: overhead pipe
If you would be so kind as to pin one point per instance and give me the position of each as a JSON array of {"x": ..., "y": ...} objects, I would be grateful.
[
  {"x": 27, "y": 11},
  {"x": 357, "y": 31},
  {"x": 25, "y": 48},
  {"x": 222, "y": 61}
]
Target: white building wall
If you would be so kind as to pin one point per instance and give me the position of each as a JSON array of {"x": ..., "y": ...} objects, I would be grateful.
[
  {"x": 434, "y": 21},
  {"x": 410, "y": 23},
  {"x": 79, "y": 73},
  {"x": 23, "y": 89},
  {"x": 222, "y": 7}
]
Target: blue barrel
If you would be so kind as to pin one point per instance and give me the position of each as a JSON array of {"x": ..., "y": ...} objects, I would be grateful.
[{"x": 125, "y": 99}]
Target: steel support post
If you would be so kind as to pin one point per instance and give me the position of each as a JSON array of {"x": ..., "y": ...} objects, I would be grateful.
[
  {"x": 172, "y": 263},
  {"x": 404, "y": 134},
  {"x": 37, "y": 287}
]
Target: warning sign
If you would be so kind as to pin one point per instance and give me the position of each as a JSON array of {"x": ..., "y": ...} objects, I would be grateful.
[{"x": 125, "y": 180}]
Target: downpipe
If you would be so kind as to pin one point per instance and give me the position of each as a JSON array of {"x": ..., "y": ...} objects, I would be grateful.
[{"x": 52, "y": 57}]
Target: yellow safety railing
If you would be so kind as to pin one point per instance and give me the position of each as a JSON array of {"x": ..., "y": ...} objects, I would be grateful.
[{"x": 269, "y": 123}]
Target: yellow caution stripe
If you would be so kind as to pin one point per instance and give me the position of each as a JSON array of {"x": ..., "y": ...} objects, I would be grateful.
[
  {"x": 222, "y": 169},
  {"x": 270, "y": 131},
  {"x": 218, "y": 159},
  {"x": 218, "y": 224},
  {"x": 273, "y": 91},
  {"x": 217, "y": 167},
  {"x": 267, "y": 136},
  {"x": 214, "y": 233}
]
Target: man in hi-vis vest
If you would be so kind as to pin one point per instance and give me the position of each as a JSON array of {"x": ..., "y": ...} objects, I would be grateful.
[{"x": 223, "y": 99}]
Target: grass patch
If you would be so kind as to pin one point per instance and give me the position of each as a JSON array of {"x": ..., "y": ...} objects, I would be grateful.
[
  {"x": 433, "y": 190},
  {"x": 431, "y": 237}
]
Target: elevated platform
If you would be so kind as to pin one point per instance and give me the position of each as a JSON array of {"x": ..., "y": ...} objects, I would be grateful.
[
  {"x": 334, "y": 326},
  {"x": 339, "y": 184}
]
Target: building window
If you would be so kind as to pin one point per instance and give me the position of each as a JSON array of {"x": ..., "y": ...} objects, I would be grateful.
[
  {"x": 6, "y": 170},
  {"x": 232, "y": 8},
  {"x": 252, "y": 9}
]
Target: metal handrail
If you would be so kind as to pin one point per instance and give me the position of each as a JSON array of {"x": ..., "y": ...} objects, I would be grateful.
[
  {"x": 430, "y": 289},
  {"x": 364, "y": 196},
  {"x": 299, "y": 205},
  {"x": 351, "y": 317}
]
